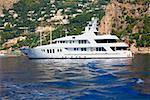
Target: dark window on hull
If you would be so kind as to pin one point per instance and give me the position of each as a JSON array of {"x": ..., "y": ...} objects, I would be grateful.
[
  {"x": 106, "y": 41},
  {"x": 103, "y": 49},
  {"x": 83, "y": 41},
  {"x": 47, "y": 50},
  {"x": 83, "y": 49},
  {"x": 100, "y": 49},
  {"x": 113, "y": 48},
  {"x": 43, "y": 50},
  {"x": 119, "y": 48},
  {"x": 50, "y": 50}
]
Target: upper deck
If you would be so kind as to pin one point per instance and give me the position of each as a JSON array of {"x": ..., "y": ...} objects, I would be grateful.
[{"x": 89, "y": 36}]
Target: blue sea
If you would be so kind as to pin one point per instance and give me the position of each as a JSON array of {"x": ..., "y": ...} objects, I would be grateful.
[{"x": 75, "y": 79}]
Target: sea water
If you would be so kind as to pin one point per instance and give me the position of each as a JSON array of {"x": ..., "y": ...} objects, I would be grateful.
[{"x": 75, "y": 79}]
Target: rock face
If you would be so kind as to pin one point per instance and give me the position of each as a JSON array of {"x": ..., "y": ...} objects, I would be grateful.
[
  {"x": 12, "y": 42},
  {"x": 7, "y": 4},
  {"x": 118, "y": 12}
]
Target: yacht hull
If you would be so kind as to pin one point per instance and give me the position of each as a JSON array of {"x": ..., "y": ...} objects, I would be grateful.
[{"x": 38, "y": 54}]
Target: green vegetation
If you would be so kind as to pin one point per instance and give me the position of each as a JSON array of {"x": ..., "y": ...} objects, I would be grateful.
[
  {"x": 76, "y": 25},
  {"x": 140, "y": 1},
  {"x": 31, "y": 40},
  {"x": 7, "y": 35},
  {"x": 146, "y": 28},
  {"x": 30, "y": 11},
  {"x": 28, "y": 14},
  {"x": 142, "y": 40}
]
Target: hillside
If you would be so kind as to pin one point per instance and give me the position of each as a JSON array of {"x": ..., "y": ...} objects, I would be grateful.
[
  {"x": 128, "y": 19},
  {"x": 66, "y": 16}
]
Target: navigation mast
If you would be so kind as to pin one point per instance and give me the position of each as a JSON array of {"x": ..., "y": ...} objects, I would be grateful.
[{"x": 50, "y": 30}]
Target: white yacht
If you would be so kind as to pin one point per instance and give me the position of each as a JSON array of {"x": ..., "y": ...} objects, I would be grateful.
[{"x": 89, "y": 44}]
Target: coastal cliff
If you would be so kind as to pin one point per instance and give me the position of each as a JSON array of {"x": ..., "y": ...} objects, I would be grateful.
[
  {"x": 123, "y": 15},
  {"x": 6, "y": 4}
]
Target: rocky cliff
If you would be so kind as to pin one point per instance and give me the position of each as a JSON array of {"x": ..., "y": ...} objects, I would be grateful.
[
  {"x": 7, "y": 4},
  {"x": 124, "y": 15}
]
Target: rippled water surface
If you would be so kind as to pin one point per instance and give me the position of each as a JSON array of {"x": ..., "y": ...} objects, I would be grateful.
[{"x": 75, "y": 79}]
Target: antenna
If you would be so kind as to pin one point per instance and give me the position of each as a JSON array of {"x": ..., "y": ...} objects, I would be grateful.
[
  {"x": 40, "y": 38},
  {"x": 40, "y": 30},
  {"x": 51, "y": 36},
  {"x": 66, "y": 32}
]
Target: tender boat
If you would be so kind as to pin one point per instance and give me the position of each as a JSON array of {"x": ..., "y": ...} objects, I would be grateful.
[{"x": 90, "y": 44}]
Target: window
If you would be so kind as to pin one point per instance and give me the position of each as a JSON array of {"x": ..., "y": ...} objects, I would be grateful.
[
  {"x": 121, "y": 48},
  {"x": 83, "y": 41},
  {"x": 83, "y": 49},
  {"x": 97, "y": 49},
  {"x": 118, "y": 48},
  {"x": 59, "y": 50},
  {"x": 79, "y": 41},
  {"x": 111, "y": 41},
  {"x": 113, "y": 48},
  {"x": 47, "y": 50},
  {"x": 50, "y": 51},
  {"x": 43, "y": 50},
  {"x": 103, "y": 49},
  {"x": 106, "y": 41},
  {"x": 75, "y": 49},
  {"x": 100, "y": 49}
]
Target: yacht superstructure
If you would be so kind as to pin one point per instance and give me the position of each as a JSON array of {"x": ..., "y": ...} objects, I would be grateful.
[{"x": 87, "y": 45}]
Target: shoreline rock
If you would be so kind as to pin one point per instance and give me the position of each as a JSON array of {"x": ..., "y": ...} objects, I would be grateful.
[
  {"x": 140, "y": 50},
  {"x": 8, "y": 53}
]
